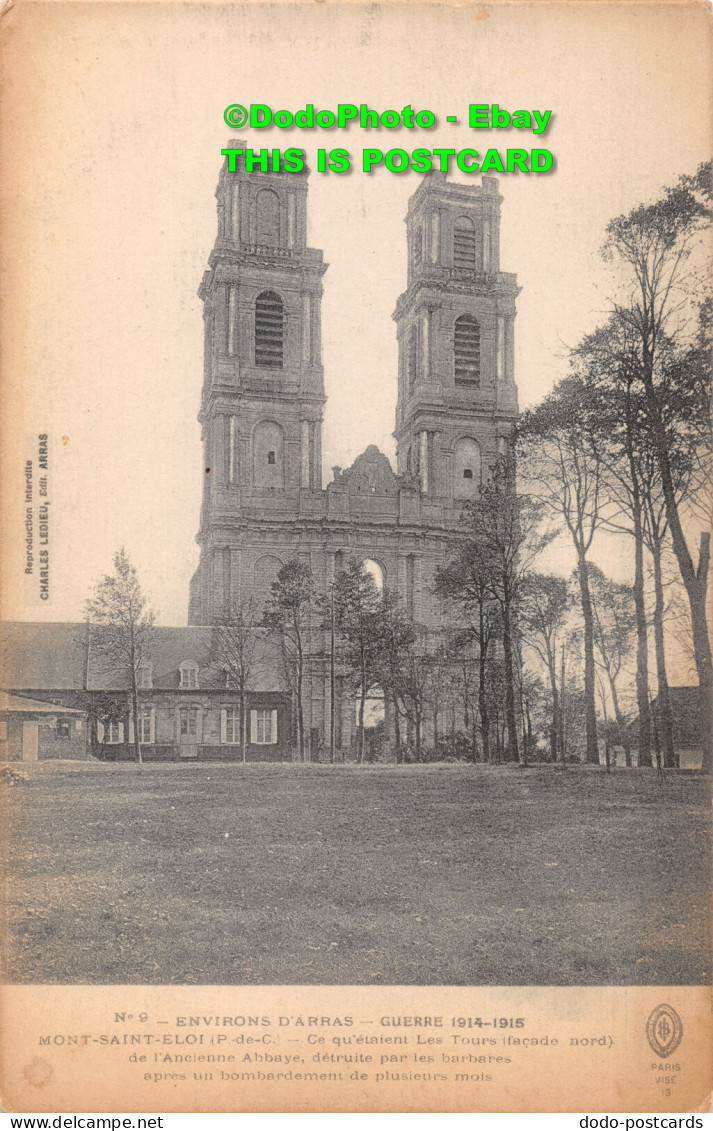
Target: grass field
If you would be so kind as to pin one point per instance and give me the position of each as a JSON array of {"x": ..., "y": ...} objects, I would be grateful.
[{"x": 345, "y": 875}]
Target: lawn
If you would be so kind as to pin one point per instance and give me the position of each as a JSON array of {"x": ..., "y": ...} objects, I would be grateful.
[{"x": 345, "y": 875}]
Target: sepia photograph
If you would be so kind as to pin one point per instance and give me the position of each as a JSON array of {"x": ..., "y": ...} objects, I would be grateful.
[{"x": 356, "y": 622}]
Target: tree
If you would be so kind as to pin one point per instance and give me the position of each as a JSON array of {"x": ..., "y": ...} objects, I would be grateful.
[
  {"x": 617, "y": 429},
  {"x": 545, "y": 605},
  {"x": 233, "y": 650},
  {"x": 358, "y": 621},
  {"x": 501, "y": 534},
  {"x": 120, "y": 625},
  {"x": 287, "y": 612},
  {"x": 466, "y": 581},
  {"x": 653, "y": 243},
  {"x": 399, "y": 668},
  {"x": 614, "y": 625},
  {"x": 562, "y": 468}
]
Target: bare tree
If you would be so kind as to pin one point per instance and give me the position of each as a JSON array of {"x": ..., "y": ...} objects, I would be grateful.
[
  {"x": 653, "y": 243},
  {"x": 614, "y": 626},
  {"x": 120, "y": 626},
  {"x": 545, "y": 605},
  {"x": 466, "y": 581},
  {"x": 562, "y": 468},
  {"x": 287, "y": 612},
  {"x": 359, "y": 624},
  {"x": 501, "y": 534},
  {"x": 233, "y": 651}
]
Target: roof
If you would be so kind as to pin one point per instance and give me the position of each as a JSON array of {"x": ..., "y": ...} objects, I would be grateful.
[
  {"x": 21, "y": 704},
  {"x": 56, "y": 656},
  {"x": 48, "y": 655},
  {"x": 170, "y": 647}
]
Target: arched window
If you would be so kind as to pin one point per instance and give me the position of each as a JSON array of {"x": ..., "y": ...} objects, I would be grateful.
[
  {"x": 268, "y": 218},
  {"x": 466, "y": 348},
  {"x": 466, "y": 468},
  {"x": 412, "y": 355},
  {"x": 376, "y": 571},
  {"x": 269, "y": 330},
  {"x": 465, "y": 245},
  {"x": 268, "y": 455}
]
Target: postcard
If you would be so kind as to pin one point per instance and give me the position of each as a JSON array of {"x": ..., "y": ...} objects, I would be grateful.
[{"x": 355, "y": 739}]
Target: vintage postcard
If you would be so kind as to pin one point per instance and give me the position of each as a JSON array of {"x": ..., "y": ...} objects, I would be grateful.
[{"x": 355, "y": 739}]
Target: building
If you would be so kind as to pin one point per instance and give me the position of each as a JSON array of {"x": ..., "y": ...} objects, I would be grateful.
[
  {"x": 188, "y": 709},
  {"x": 32, "y": 730},
  {"x": 687, "y": 719},
  {"x": 263, "y": 400}
]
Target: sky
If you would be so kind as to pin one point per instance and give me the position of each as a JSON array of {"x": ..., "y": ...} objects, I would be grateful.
[{"x": 112, "y": 130}]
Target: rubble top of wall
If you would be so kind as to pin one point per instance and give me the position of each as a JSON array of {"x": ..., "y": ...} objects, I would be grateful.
[{"x": 371, "y": 474}]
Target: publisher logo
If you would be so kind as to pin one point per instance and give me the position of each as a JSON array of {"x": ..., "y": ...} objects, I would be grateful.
[{"x": 664, "y": 1030}]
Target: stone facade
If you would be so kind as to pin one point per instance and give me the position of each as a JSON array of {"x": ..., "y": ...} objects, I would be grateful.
[{"x": 263, "y": 398}]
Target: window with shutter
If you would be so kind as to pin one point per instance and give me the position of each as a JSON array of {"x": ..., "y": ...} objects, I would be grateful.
[
  {"x": 146, "y": 725},
  {"x": 269, "y": 330},
  {"x": 466, "y": 349},
  {"x": 263, "y": 727},
  {"x": 465, "y": 251},
  {"x": 230, "y": 725}
]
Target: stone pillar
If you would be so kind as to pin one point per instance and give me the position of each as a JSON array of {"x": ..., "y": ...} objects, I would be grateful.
[
  {"x": 435, "y": 236},
  {"x": 510, "y": 348},
  {"x": 232, "y": 320},
  {"x": 423, "y": 461},
  {"x": 290, "y": 219},
  {"x": 235, "y": 212},
  {"x": 304, "y": 454},
  {"x": 500, "y": 349},
  {"x": 306, "y": 328},
  {"x": 486, "y": 243}
]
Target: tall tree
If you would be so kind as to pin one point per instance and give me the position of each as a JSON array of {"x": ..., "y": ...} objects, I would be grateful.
[
  {"x": 562, "y": 468},
  {"x": 617, "y": 429},
  {"x": 653, "y": 243},
  {"x": 359, "y": 623},
  {"x": 615, "y": 621},
  {"x": 466, "y": 581},
  {"x": 501, "y": 534},
  {"x": 120, "y": 626},
  {"x": 234, "y": 649},
  {"x": 287, "y": 613},
  {"x": 545, "y": 605}
]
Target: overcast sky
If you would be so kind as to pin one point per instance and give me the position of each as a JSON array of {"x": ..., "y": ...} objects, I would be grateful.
[{"x": 113, "y": 125}]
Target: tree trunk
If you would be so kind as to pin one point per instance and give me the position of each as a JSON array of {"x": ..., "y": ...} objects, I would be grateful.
[
  {"x": 510, "y": 715},
  {"x": 694, "y": 580},
  {"x": 483, "y": 690},
  {"x": 589, "y": 670},
  {"x": 554, "y": 725},
  {"x": 300, "y": 713},
  {"x": 362, "y": 703},
  {"x": 397, "y": 731},
  {"x": 562, "y": 720},
  {"x": 621, "y": 725},
  {"x": 642, "y": 644},
  {"x": 135, "y": 712},
  {"x": 665, "y": 714}
]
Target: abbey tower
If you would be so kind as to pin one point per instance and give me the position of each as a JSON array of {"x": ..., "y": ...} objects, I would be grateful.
[{"x": 263, "y": 398}]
